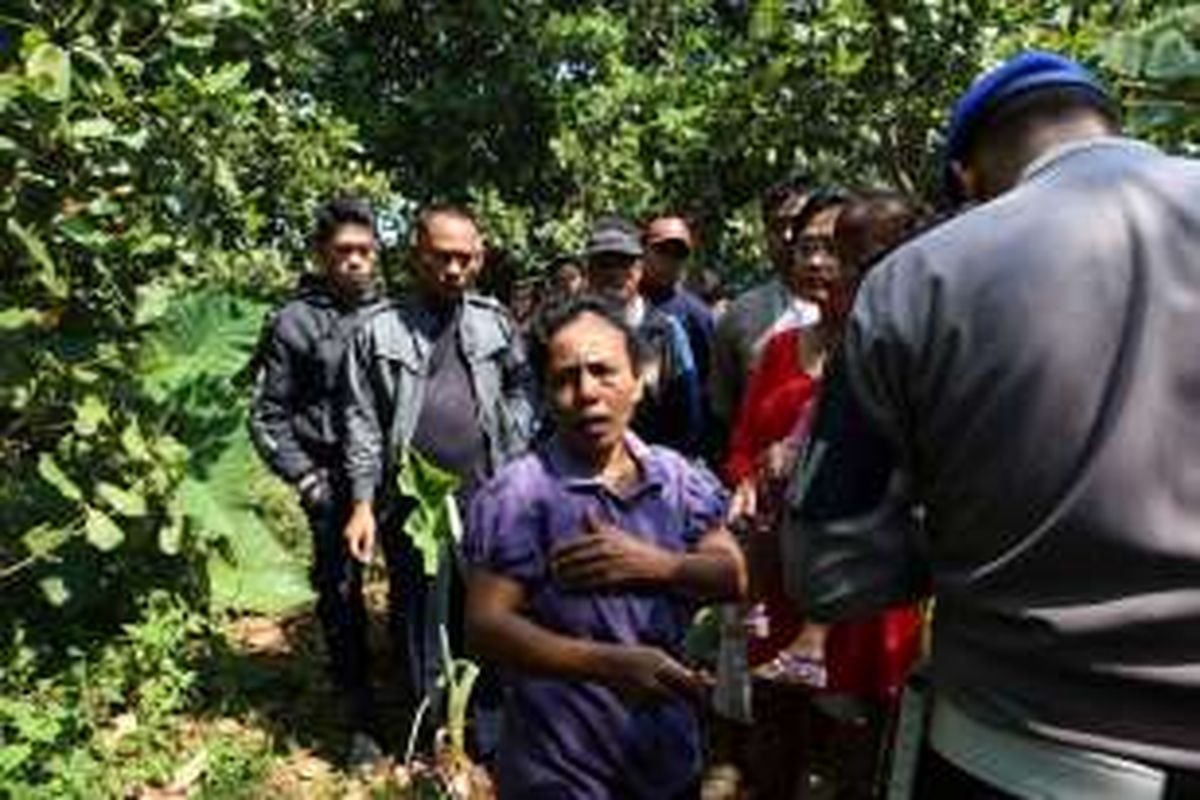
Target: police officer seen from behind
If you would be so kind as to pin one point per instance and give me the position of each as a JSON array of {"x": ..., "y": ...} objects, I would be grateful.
[
  {"x": 1027, "y": 374},
  {"x": 294, "y": 424},
  {"x": 442, "y": 371}
]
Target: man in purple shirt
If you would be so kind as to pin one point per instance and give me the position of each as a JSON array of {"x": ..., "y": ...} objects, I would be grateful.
[{"x": 588, "y": 557}]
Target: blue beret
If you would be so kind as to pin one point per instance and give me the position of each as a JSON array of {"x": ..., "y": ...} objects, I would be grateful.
[{"x": 1033, "y": 69}]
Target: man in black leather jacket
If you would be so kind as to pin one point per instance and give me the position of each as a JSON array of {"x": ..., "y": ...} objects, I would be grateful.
[{"x": 295, "y": 424}]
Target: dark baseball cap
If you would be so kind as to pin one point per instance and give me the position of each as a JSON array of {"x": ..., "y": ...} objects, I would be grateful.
[{"x": 613, "y": 235}]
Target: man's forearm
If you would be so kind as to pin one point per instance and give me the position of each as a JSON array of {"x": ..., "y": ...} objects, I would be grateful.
[
  {"x": 516, "y": 642},
  {"x": 707, "y": 576}
]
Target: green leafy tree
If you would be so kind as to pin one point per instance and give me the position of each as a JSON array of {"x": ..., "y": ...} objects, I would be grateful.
[{"x": 158, "y": 173}]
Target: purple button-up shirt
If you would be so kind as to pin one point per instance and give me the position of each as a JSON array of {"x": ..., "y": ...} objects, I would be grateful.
[{"x": 578, "y": 739}]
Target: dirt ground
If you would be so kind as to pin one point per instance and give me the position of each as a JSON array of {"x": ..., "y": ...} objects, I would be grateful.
[{"x": 277, "y": 669}]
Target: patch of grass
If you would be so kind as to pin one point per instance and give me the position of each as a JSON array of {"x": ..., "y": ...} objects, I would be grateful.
[{"x": 237, "y": 766}]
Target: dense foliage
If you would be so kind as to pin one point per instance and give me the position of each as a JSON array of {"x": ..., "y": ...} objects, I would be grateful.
[
  {"x": 159, "y": 162},
  {"x": 549, "y": 113}
]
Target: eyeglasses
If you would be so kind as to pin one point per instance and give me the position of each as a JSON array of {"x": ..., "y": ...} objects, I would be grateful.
[{"x": 807, "y": 246}]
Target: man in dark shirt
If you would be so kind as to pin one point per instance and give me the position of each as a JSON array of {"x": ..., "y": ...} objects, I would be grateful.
[
  {"x": 294, "y": 425},
  {"x": 669, "y": 243},
  {"x": 442, "y": 372},
  {"x": 670, "y": 412}
]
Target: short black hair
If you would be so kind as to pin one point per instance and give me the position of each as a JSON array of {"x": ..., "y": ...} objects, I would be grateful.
[
  {"x": 885, "y": 217},
  {"x": 820, "y": 199},
  {"x": 562, "y": 260},
  {"x": 558, "y": 315},
  {"x": 343, "y": 210},
  {"x": 780, "y": 192},
  {"x": 427, "y": 213}
]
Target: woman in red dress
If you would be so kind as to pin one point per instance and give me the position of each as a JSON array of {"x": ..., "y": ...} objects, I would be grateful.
[{"x": 863, "y": 661}]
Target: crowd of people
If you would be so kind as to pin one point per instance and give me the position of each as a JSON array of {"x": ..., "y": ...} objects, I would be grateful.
[{"x": 990, "y": 407}]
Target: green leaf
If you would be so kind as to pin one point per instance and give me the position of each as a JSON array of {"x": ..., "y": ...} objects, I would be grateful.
[
  {"x": 225, "y": 180},
  {"x": 170, "y": 535},
  {"x": 41, "y": 540},
  {"x": 212, "y": 11},
  {"x": 90, "y": 414},
  {"x": 157, "y": 242},
  {"x": 202, "y": 336},
  {"x": 53, "y": 475},
  {"x": 766, "y": 19},
  {"x": 33, "y": 721},
  {"x": 250, "y": 570},
  {"x": 12, "y": 319},
  {"x": 153, "y": 301},
  {"x": 48, "y": 69},
  {"x": 11, "y": 85},
  {"x": 434, "y": 522},
  {"x": 172, "y": 452},
  {"x": 100, "y": 530},
  {"x": 55, "y": 590},
  {"x": 13, "y": 756},
  {"x": 123, "y": 501},
  {"x": 128, "y": 64},
  {"x": 134, "y": 443},
  {"x": 135, "y": 141},
  {"x": 48, "y": 276},
  {"x": 201, "y": 41},
  {"x": 422, "y": 480},
  {"x": 93, "y": 128},
  {"x": 226, "y": 79},
  {"x": 84, "y": 234}
]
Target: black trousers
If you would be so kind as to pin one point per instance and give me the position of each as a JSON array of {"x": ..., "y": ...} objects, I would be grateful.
[{"x": 337, "y": 580}]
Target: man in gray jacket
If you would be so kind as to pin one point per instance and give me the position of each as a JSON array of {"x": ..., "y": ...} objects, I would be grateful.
[
  {"x": 748, "y": 322},
  {"x": 443, "y": 372},
  {"x": 295, "y": 423},
  {"x": 1027, "y": 374}
]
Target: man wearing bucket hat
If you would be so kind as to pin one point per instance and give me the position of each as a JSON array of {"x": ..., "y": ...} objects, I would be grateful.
[{"x": 1026, "y": 374}]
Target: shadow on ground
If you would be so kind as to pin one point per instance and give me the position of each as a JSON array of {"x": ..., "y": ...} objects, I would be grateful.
[{"x": 271, "y": 673}]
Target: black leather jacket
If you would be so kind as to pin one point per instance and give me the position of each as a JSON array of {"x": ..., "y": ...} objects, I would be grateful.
[{"x": 295, "y": 420}]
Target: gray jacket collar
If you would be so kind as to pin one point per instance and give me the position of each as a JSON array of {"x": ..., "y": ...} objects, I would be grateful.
[
  {"x": 473, "y": 319},
  {"x": 1048, "y": 160}
]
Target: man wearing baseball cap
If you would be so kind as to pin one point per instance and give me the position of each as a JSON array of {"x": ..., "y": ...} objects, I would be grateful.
[
  {"x": 669, "y": 243},
  {"x": 1026, "y": 374},
  {"x": 670, "y": 412}
]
